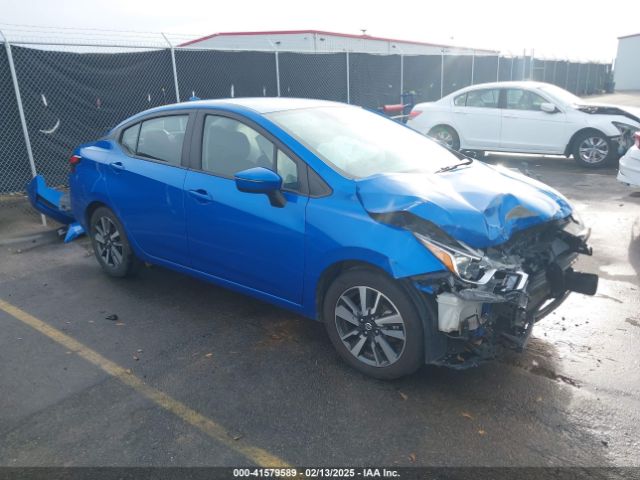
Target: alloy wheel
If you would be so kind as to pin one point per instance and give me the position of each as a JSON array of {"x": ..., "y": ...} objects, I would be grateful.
[
  {"x": 108, "y": 242},
  {"x": 444, "y": 136},
  {"x": 370, "y": 326},
  {"x": 593, "y": 150}
]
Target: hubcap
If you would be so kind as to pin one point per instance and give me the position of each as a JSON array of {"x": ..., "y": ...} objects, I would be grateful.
[
  {"x": 370, "y": 326},
  {"x": 593, "y": 150},
  {"x": 444, "y": 136},
  {"x": 108, "y": 242}
]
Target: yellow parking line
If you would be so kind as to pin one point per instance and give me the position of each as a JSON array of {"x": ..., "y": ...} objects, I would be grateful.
[{"x": 256, "y": 455}]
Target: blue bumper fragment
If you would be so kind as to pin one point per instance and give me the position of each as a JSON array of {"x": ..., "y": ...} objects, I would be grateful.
[
  {"x": 74, "y": 231},
  {"x": 54, "y": 204}
]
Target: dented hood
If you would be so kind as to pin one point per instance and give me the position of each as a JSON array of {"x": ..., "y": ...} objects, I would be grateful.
[
  {"x": 632, "y": 113},
  {"x": 478, "y": 204}
]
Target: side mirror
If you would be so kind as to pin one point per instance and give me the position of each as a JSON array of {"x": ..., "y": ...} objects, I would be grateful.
[
  {"x": 548, "y": 107},
  {"x": 261, "y": 180}
]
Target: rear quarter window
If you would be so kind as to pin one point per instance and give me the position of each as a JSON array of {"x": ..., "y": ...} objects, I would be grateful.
[
  {"x": 460, "y": 100},
  {"x": 129, "y": 138}
]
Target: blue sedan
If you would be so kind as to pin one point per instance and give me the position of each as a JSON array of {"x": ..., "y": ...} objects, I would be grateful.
[{"x": 409, "y": 253}]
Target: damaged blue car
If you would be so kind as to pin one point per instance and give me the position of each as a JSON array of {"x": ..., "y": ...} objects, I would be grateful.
[{"x": 408, "y": 252}]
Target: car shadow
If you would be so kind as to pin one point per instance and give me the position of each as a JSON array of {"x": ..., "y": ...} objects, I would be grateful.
[
  {"x": 529, "y": 164},
  {"x": 509, "y": 412}
]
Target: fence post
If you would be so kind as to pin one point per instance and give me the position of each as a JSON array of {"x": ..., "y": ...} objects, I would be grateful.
[
  {"x": 566, "y": 80},
  {"x": 401, "y": 76},
  {"x": 511, "y": 74},
  {"x": 473, "y": 63},
  {"x": 442, "y": 73},
  {"x": 23, "y": 120},
  {"x": 498, "y": 70},
  {"x": 348, "y": 80},
  {"x": 586, "y": 87},
  {"x": 277, "y": 73},
  {"x": 173, "y": 65}
]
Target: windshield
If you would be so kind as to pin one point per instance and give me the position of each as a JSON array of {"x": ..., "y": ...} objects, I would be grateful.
[
  {"x": 359, "y": 143},
  {"x": 561, "y": 94}
]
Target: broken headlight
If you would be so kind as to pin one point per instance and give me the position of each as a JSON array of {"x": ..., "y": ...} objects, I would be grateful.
[
  {"x": 625, "y": 128},
  {"x": 465, "y": 264}
]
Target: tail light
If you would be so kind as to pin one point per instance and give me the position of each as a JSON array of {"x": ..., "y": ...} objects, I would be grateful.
[
  {"x": 414, "y": 113},
  {"x": 636, "y": 139},
  {"x": 73, "y": 161}
]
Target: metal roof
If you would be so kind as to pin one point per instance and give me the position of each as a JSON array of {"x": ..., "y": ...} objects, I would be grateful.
[{"x": 334, "y": 34}]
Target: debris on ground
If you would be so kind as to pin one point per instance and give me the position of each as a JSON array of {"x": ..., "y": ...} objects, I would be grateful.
[
  {"x": 113, "y": 317},
  {"x": 633, "y": 321}
]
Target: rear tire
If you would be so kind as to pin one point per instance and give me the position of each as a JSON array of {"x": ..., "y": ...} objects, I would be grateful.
[
  {"x": 382, "y": 338},
  {"x": 445, "y": 135},
  {"x": 111, "y": 245},
  {"x": 593, "y": 149}
]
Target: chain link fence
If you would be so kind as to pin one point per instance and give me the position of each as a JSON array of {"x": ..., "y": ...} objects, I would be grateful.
[{"x": 73, "y": 92}]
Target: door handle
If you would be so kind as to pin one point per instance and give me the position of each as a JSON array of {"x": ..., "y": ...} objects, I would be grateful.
[
  {"x": 117, "y": 166},
  {"x": 509, "y": 116},
  {"x": 201, "y": 195}
]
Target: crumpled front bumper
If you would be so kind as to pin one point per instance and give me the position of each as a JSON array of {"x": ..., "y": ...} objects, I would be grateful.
[{"x": 475, "y": 322}]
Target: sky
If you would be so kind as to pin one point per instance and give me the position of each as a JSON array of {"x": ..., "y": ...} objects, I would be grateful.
[{"x": 580, "y": 30}]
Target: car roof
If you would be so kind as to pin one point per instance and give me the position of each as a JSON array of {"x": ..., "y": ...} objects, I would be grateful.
[
  {"x": 510, "y": 84},
  {"x": 257, "y": 104},
  {"x": 263, "y": 104},
  {"x": 260, "y": 105}
]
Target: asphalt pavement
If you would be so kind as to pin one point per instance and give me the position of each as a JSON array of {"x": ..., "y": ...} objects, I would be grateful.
[{"x": 165, "y": 370}]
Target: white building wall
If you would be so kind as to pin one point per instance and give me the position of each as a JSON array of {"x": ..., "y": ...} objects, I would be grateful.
[
  {"x": 317, "y": 42},
  {"x": 626, "y": 72}
]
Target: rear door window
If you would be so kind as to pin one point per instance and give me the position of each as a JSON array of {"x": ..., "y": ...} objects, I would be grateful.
[
  {"x": 486, "y": 98},
  {"x": 160, "y": 138}
]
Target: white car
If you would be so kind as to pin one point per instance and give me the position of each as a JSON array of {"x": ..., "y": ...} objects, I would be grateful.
[
  {"x": 629, "y": 171},
  {"x": 528, "y": 117}
]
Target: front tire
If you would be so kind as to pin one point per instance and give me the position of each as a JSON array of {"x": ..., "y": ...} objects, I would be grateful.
[
  {"x": 592, "y": 149},
  {"x": 373, "y": 324},
  {"x": 110, "y": 244}
]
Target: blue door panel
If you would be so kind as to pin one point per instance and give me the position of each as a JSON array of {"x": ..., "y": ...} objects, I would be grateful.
[
  {"x": 148, "y": 198},
  {"x": 241, "y": 237}
]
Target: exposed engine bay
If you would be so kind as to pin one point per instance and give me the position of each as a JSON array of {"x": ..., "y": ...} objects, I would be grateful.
[{"x": 492, "y": 297}]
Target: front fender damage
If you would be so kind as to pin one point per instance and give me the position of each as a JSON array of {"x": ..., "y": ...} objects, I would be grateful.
[{"x": 514, "y": 285}]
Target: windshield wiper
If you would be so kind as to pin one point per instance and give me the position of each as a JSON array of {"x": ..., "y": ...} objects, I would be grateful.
[{"x": 448, "y": 168}]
